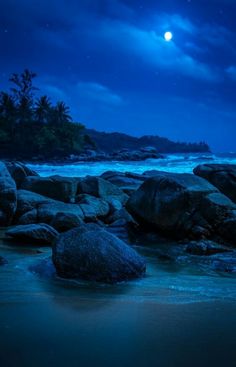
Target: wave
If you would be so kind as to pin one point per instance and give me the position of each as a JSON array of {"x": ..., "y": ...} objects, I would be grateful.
[{"x": 177, "y": 163}]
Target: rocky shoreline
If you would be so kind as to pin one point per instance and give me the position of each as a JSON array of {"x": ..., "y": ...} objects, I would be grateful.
[
  {"x": 90, "y": 155},
  {"x": 93, "y": 222}
]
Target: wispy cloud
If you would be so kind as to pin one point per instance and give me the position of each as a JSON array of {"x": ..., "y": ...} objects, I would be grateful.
[
  {"x": 96, "y": 92},
  {"x": 165, "y": 21},
  {"x": 151, "y": 48}
]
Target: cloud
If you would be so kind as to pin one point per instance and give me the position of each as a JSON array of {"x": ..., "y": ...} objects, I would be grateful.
[
  {"x": 96, "y": 92},
  {"x": 151, "y": 48},
  {"x": 202, "y": 34},
  {"x": 175, "y": 21},
  {"x": 54, "y": 92},
  {"x": 93, "y": 92},
  {"x": 216, "y": 35}
]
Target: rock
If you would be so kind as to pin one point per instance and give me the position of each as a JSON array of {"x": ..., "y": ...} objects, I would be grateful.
[
  {"x": 225, "y": 263},
  {"x": 221, "y": 212},
  {"x": 170, "y": 202},
  {"x": 55, "y": 187},
  {"x": 63, "y": 222},
  {"x": 89, "y": 252},
  {"x": 102, "y": 189},
  {"x": 92, "y": 207},
  {"x": 47, "y": 213},
  {"x": 3, "y": 261},
  {"x": 8, "y": 198},
  {"x": 217, "y": 208},
  {"x": 149, "y": 150},
  {"x": 27, "y": 201},
  {"x": 120, "y": 155},
  {"x": 121, "y": 214},
  {"x": 29, "y": 217},
  {"x": 227, "y": 230},
  {"x": 205, "y": 247},
  {"x": 19, "y": 172},
  {"x": 41, "y": 233},
  {"x": 182, "y": 206},
  {"x": 115, "y": 205},
  {"x": 134, "y": 155},
  {"x": 222, "y": 176},
  {"x": 127, "y": 182},
  {"x": 35, "y": 208}
]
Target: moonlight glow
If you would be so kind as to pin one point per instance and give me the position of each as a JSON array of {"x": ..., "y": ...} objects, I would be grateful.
[{"x": 168, "y": 36}]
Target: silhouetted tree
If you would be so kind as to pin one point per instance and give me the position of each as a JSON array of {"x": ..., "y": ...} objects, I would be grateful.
[
  {"x": 43, "y": 109},
  {"x": 23, "y": 85},
  {"x": 61, "y": 114},
  {"x": 30, "y": 126},
  {"x": 8, "y": 113}
]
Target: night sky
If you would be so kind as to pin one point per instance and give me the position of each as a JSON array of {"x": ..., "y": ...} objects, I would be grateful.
[{"x": 109, "y": 61}]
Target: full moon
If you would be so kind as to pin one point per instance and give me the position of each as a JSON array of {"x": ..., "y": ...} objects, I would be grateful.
[{"x": 168, "y": 36}]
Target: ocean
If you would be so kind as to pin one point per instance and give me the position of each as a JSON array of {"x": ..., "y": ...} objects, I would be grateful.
[{"x": 179, "y": 163}]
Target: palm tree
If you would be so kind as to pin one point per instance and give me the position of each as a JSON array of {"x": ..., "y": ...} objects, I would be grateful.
[
  {"x": 25, "y": 110},
  {"x": 42, "y": 110},
  {"x": 61, "y": 114}
]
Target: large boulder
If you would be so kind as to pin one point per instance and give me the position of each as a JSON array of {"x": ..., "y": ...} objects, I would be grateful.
[
  {"x": 89, "y": 252},
  {"x": 183, "y": 206},
  {"x": 102, "y": 189},
  {"x": 19, "y": 172},
  {"x": 223, "y": 176},
  {"x": 127, "y": 182},
  {"x": 64, "y": 221},
  {"x": 8, "y": 198},
  {"x": 47, "y": 213},
  {"x": 39, "y": 233},
  {"x": 55, "y": 187},
  {"x": 35, "y": 208},
  {"x": 28, "y": 218},
  {"x": 118, "y": 215},
  {"x": 92, "y": 207},
  {"x": 28, "y": 200}
]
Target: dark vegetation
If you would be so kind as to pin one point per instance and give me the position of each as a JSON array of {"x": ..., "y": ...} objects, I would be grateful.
[
  {"x": 33, "y": 127},
  {"x": 109, "y": 142}
]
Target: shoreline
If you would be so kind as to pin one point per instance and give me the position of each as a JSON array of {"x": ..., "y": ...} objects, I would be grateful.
[{"x": 65, "y": 161}]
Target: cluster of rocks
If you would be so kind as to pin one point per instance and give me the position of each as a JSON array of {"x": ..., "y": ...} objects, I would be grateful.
[
  {"x": 87, "y": 220},
  {"x": 120, "y": 155}
]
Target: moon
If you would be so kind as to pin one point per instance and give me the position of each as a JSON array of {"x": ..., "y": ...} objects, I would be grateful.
[{"x": 168, "y": 36}]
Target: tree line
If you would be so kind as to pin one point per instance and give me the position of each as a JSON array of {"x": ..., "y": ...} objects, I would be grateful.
[{"x": 33, "y": 126}]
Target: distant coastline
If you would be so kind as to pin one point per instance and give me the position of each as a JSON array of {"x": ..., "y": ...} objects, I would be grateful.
[
  {"x": 114, "y": 141},
  {"x": 105, "y": 146},
  {"x": 34, "y": 129}
]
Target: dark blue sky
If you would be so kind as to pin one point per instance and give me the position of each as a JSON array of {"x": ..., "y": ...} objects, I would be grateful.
[{"x": 109, "y": 61}]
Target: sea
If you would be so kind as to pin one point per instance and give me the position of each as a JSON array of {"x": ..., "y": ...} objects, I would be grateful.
[
  {"x": 178, "y": 163},
  {"x": 178, "y": 315}
]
